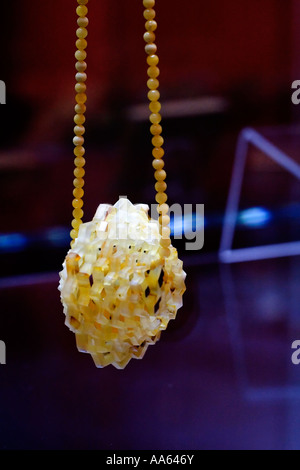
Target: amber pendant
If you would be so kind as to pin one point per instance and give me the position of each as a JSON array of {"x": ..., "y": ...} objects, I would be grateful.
[{"x": 118, "y": 293}]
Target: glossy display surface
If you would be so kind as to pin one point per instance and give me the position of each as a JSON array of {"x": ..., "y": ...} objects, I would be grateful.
[{"x": 220, "y": 378}]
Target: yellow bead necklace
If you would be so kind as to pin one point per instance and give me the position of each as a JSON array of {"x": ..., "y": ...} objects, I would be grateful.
[{"x": 122, "y": 281}]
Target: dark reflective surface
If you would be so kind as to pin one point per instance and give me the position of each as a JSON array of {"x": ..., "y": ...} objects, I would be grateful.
[{"x": 220, "y": 378}]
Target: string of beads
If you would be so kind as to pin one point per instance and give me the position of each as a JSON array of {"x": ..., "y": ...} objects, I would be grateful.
[
  {"x": 156, "y": 128},
  {"x": 79, "y": 118}
]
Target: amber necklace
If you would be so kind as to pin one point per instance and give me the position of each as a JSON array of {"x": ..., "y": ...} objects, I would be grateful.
[{"x": 122, "y": 280}]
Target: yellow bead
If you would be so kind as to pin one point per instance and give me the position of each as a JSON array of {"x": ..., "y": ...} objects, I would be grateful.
[
  {"x": 78, "y": 182},
  {"x": 80, "y": 87},
  {"x": 158, "y": 153},
  {"x": 160, "y": 175},
  {"x": 150, "y": 49},
  {"x": 164, "y": 252},
  {"x": 79, "y": 151},
  {"x": 81, "y": 44},
  {"x": 151, "y": 25},
  {"x": 79, "y": 172},
  {"x": 160, "y": 186},
  {"x": 166, "y": 232},
  {"x": 153, "y": 84},
  {"x": 161, "y": 198},
  {"x": 81, "y": 66},
  {"x": 77, "y": 203},
  {"x": 82, "y": 11},
  {"x": 163, "y": 209},
  {"x": 78, "y": 193},
  {"x": 78, "y": 141},
  {"x": 81, "y": 33},
  {"x": 79, "y": 130},
  {"x": 153, "y": 95},
  {"x": 79, "y": 119},
  {"x": 148, "y": 3},
  {"x": 164, "y": 220},
  {"x": 77, "y": 213},
  {"x": 81, "y": 98},
  {"x": 149, "y": 37},
  {"x": 155, "y": 118},
  {"x": 156, "y": 129},
  {"x": 80, "y": 108},
  {"x": 80, "y": 55},
  {"x": 82, "y": 2},
  {"x": 165, "y": 242},
  {"x": 80, "y": 162},
  {"x": 82, "y": 22},
  {"x": 81, "y": 77},
  {"x": 149, "y": 14},
  {"x": 155, "y": 107},
  {"x": 157, "y": 141},
  {"x": 76, "y": 223},
  {"x": 152, "y": 60},
  {"x": 74, "y": 234},
  {"x": 153, "y": 72},
  {"x": 158, "y": 165}
]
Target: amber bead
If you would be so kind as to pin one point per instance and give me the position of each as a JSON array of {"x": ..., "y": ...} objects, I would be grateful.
[
  {"x": 80, "y": 88},
  {"x": 81, "y": 77},
  {"x": 80, "y": 162},
  {"x": 79, "y": 119},
  {"x": 153, "y": 71},
  {"x": 155, "y": 107},
  {"x": 82, "y": 2},
  {"x": 160, "y": 175},
  {"x": 78, "y": 182},
  {"x": 160, "y": 186},
  {"x": 76, "y": 223},
  {"x": 80, "y": 55},
  {"x": 79, "y": 151},
  {"x": 149, "y": 14},
  {"x": 151, "y": 25},
  {"x": 161, "y": 198},
  {"x": 158, "y": 141},
  {"x": 78, "y": 193},
  {"x": 79, "y": 172},
  {"x": 77, "y": 203},
  {"x": 153, "y": 84},
  {"x": 81, "y": 66},
  {"x": 149, "y": 37},
  {"x": 81, "y": 44},
  {"x": 156, "y": 129},
  {"x": 150, "y": 49},
  {"x": 164, "y": 252},
  {"x": 81, "y": 11},
  {"x": 158, "y": 165},
  {"x": 165, "y": 242},
  {"x": 152, "y": 60},
  {"x": 81, "y": 33},
  {"x": 79, "y": 130},
  {"x": 80, "y": 108},
  {"x": 164, "y": 220},
  {"x": 158, "y": 152},
  {"x": 77, "y": 213},
  {"x": 74, "y": 234},
  {"x": 81, "y": 98},
  {"x": 148, "y": 3},
  {"x": 82, "y": 22},
  {"x": 78, "y": 141}
]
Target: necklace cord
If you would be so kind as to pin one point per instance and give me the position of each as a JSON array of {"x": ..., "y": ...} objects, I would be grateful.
[
  {"x": 155, "y": 119},
  {"x": 156, "y": 128},
  {"x": 79, "y": 119}
]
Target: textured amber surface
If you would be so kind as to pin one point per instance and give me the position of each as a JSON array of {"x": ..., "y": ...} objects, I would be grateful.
[{"x": 118, "y": 293}]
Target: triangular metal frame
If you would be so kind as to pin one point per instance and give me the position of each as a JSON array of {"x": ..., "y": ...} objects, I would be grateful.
[{"x": 227, "y": 254}]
